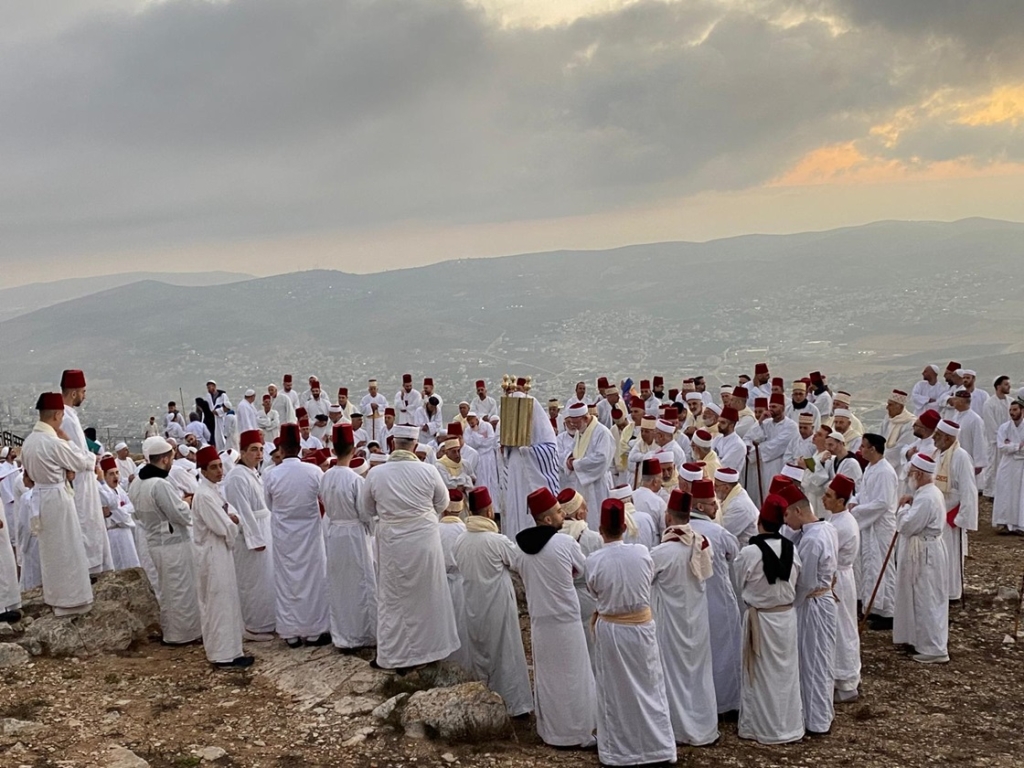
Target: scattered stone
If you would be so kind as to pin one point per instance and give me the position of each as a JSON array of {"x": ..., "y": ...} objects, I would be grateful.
[
  {"x": 6, "y": 630},
  {"x": 443, "y": 674},
  {"x": 1007, "y": 640},
  {"x": 9, "y": 726},
  {"x": 119, "y": 757},
  {"x": 386, "y": 710},
  {"x": 463, "y": 712},
  {"x": 355, "y": 705},
  {"x": 12, "y": 655},
  {"x": 210, "y": 754},
  {"x": 1007, "y": 595},
  {"x": 449, "y": 758},
  {"x": 358, "y": 737}
]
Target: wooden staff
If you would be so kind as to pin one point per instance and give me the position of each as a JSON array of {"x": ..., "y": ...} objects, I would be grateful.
[
  {"x": 760, "y": 481},
  {"x": 878, "y": 583}
]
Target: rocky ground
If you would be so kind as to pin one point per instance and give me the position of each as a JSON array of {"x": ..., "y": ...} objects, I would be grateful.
[{"x": 166, "y": 708}]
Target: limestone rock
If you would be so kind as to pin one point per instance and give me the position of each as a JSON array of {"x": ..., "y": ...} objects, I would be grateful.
[
  {"x": 386, "y": 710},
  {"x": 9, "y": 726},
  {"x": 1007, "y": 595},
  {"x": 119, "y": 757},
  {"x": 12, "y": 655},
  {"x": 463, "y": 712},
  {"x": 358, "y": 737},
  {"x": 6, "y": 630},
  {"x": 442, "y": 674},
  {"x": 210, "y": 754},
  {"x": 355, "y": 705}
]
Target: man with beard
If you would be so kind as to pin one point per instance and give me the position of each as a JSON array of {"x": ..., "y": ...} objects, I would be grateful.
[
  {"x": 484, "y": 406},
  {"x": 954, "y": 476},
  {"x": 926, "y": 393},
  {"x": 799, "y": 404},
  {"x": 407, "y": 400},
  {"x": 995, "y": 413}
]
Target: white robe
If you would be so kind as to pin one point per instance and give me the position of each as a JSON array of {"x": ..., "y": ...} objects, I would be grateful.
[
  {"x": 484, "y": 558},
  {"x": 127, "y": 471},
  {"x": 633, "y": 723},
  {"x": 216, "y": 589},
  {"x": 87, "y": 501},
  {"x": 269, "y": 423},
  {"x": 925, "y": 396},
  {"x": 995, "y": 413},
  {"x": 648, "y": 502},
  {"x": 817, "y": 545},
  {"x": 485, "y": 443},
  {"x": 27, "y": 510},
  {"x": 962, "y": 492},
  {"x": 771, "y": 710},
  {"x": 565, "y": 692},
  {"x": 247, "y": 417},
  {"x": 895, "y": 454},
  {"x": 1008, "y": 488},
  {"x": 62, "y": 559},
  {"x": 972, "y": 440},
  {"x": 300, "y": 562},
  {"x": 373, "y": 423},
  {"x": 415, "y": 617},
  {"x": 254, "y": 570},
  {"x": 406, "y": 405},
  {"x": 680, "y": 604},
  {"x": 738, "y": 514},
  {"x": 10, "y": 586},
  {"x": 874, "y": 509},
  {"x": 589, "y": 541},
  {"x": 285, "y": 409},
  {"x": 120, "y": 527},
  {"x": 723, "y": 613},
  {"x": 485, "y": 407},
  {"x": 449, "y": 531},
  {"x": 772, "y": 451},
  {"x": 921, "y": 618},
  {"x": 527, "y": 468},
  {"x": 732, "y": 453},
  {"x": 847, "y": 657}
]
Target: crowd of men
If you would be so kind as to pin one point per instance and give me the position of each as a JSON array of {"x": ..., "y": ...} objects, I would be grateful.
[{"x": 685, "y": 558}]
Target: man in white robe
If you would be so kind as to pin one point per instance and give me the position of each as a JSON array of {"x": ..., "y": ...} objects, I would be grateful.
[
  {"x": 117, "y": 513},
  {"x": 415, "y": 618},
  {"x": 449, "y": 531},
  {"x": 728, "y": 446},
  {"x": 574, "y": 524},
  {"x": 27, "y": 513},
  {"x": 372, "y": 407},
  {"x": 591, "y": 458},
  {"x": 1008, "y": 504},
  {"x": 485, "y": 558},
  {"x": 528, "y": 467},
  {"x": 647, "y": 499},
  {"x": 846, "y": 662},
  {"x": 874, "y": 508},
  {"x": 954, "y": 476},
  {"x": 253, "y": 555},
  {"x": 738, "y": 513},
  {"x": 765, "y": 575},
  {"x": 219, "y": 404},
  {"x": 10, "y": 585},
  {"x": 683, "y": 564},
  {"x": 483, "y": 405},
  {"x": 819, "y": 394},
  {"x": 972, "y": 432},
  {"x": 407, "y": 401},
  {"x": 246, "y": 413},
  {"x": 215, "y": 528},
  {"x": 921, "y": 619},
  {"x": 633, "y": 723},
  {"x": 994, "y": 413},
  {"x": 87, "y": 492},
  {"x": 778, "y": 432},
  {"x": 166, "y": 520},
  {"x": 926, "y": 393},
  {"x": 268, "y": 421},
  {"x": 47, "y": 456},
  {"x": 281, "y": 404},
  {"x": 897, "y": 429},
  {"x": 289, "y": 392},
  {"x": 126, "y": 468},
  {"x": 799, "y": 405},
  {"x": 300, "y": 564},
  {"x": 480, "y": 436},
  {"x": 565, "y": 698}
]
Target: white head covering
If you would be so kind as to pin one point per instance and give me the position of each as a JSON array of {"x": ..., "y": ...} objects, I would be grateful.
[
  {"x": 405, "y": 432},
  {"x": 842, "y": 413},
  {"x": 666, "y": 427},
  {"x": 715, "y": 408},
  {"x": 621, "y": 492},
  {"x": 576, "y": 410},
  {"x": 923, "y": 462},
  {"x": 949, "y": 427},
  {"x": 837, "y": 436},
  {"x": 725, "y": 475},
  {"x": 693, "y": 396},
  {"x": 695, "y": 475},
  {"x": 795, "y": 473},
  {"x": 155, "y": 446},
  {"x": 378, "y": 458},
  {"x": 121, "y": 445}
]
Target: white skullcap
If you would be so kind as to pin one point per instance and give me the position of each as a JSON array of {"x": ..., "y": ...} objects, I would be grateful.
[
  {"x": 693, "y": 475},
  {"x": 250, "y": 393},
  {"x": 843, "y": 413},
  {"x": 726, "y": 475},
  {"x": 208, "y": 383},
  {"x": 666, "y": 427},
  {"x": 422, "y": 448},
  {"x": 934, "y": 367},
  {"x": 949, "y": 427},
  {"x": 794, "y": 473},
  {"x": 726, "y": 388},
  {"x": 715, "y": 408},
  {"x": 155, "y": 446},
  {"x": 183, "y": 450},
  {"x": 621, "y": 492},
  {"x": 405, "y": 432},
  {"x": 335, "y": 408},
  {"x": 378, "y": 458},
  {"x": 966, "y": 372},
  {"x": 472, "y": 413},
  {"x": 665, "y": 458},
  {"x": 464, "y": 402},
  {"x": 837, "y": 436},
  {"x": 5, "y": 452},
  {"x": 361, "y": 468},
  {"x": 923, "y": 462},
  {"x": 576, "y": 410},
  {"x": 120, "y": 446},
  {"x": 699, "y": 440},
  {"x": 693, "y": 396}
]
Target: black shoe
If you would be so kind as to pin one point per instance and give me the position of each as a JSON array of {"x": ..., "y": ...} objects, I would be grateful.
[
  {"x": 295, "y": 642},
  {"x": 522, "y": 718},
  {"x": 180, "y": 645},
  {"x": 11, "y": 617},
  {"x": 879, "y": 623},
  {"x": 240, "y": 663},
  {"x": 374, "y": 664},
  {"x": 324, "y": 639},
  {"x": 817, "y": 734},
  {"x": 732, "y": 716}
]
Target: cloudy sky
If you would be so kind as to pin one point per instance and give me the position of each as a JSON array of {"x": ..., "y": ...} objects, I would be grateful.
[{"x": 272, "y": 135}]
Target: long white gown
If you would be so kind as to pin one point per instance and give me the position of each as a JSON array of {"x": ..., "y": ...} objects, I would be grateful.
[
  {"x": 633, "y": 723},
  {"x": 484, "y": 558},
  {"x": 962, "y": 492},
  {"x": 87, "y": 501},
  {"x": 300, "y": 562},
  {"x": 847, "y": 657},
  {"x": 351, "y": 578},
  {"x": 10, "y": 586},
  {"x": 994, "y": 414},
  {"x": 590, "y": 472},
  {"x": 526, "y": 469},
  {"x": 120, "y": 527},
  {"x": 214, "y": 536},
  {"x": 27, "y": 510},
  {"x": 415, "y": 619},
  {"x": 254, "y": 570},
  {"x": 777, "y": 437},
  {"x": 680, "y": 604},
  {"x": 485, "y": 442},
  {"x": 1008, "y": 488},
  {"x": 449, "y": 531},
  {"x": 875, "y": 512},
  {"x": 738, "y": 514}
]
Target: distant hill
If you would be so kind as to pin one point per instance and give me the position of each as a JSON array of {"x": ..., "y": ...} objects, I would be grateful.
[
  {"x": 28, "y": 298},
  {"x": 869, "y": 304}
]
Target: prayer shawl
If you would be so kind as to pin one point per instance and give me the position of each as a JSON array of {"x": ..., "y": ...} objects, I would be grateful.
[
  {"x": 700, "y": 559},
  {"x": 480, "y": 524},
  {"x": 895, "y": 424},
  {"x": 582, "y": 441},
  {"x": 454, "y": 468},
  {"x": 574, "y": 528},
  {"x": 942, "y": 471}
]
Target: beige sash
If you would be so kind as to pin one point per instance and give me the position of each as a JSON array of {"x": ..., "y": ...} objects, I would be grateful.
[
  {"x": 942, "y": 471},
  {"x": 753, "y": 638},
  {"x": 633, "y": 618},
  {"x": 582, "y": 440}
]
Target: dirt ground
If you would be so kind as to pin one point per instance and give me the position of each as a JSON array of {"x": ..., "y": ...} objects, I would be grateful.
[{"x": 166, "y": 704}]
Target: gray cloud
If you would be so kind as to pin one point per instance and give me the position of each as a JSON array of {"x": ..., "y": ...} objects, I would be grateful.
[{"x": 194, "y": 120}]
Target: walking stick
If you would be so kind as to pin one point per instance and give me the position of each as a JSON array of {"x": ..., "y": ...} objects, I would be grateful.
[
  {"x": 1020, "y": 602},
  {"x": 760, "y": 482},
  {"x": 878, "y": 583}
]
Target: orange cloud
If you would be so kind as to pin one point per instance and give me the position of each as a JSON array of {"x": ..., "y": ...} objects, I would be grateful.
[{"x": 1003, "y": 105}]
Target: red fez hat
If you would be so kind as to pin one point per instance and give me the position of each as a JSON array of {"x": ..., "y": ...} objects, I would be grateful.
[
  {"x": 673, "y": 394},
  {"x": 521, "y": 381},
  {"x": 566, "y": 495},
  {"x": 703, "y": 489},
  {"x": 50, "y": 401},
  {"x": 645, "y": 384},
  {"x": 277, "y": 441},
  {"x": 357, "y": 462},
  {"x": 778, "y": 382},
  {"x": 342, "y": 433},
  {"x": 778, "y": 482},
  {"x": 428, "y": 382},
  {"x": 930, "y": 419},
  {"x": 454, "y": 494},
  {"x": 742, "y": 392},
  {"x": 206, "y": 456},
  {"x": 314, "y": 382},
  {"x": 613, "y": 515},
  {"x": 389, "y": 411},
  {"x": 616, "y": 414},
  {"x": 287, "y": 378},
  {"x": 658, "y": 381},
  {"x": 454, "y": 429},
  {"x": 773, "y": 509},
  {"x": 761, "y": 368},
  {"x": 267, "y": 397},
  {"x": 540, "y": 501},
  {"x": 303, "y": 422},
  {"x": 250, "y": 437},
  {"x": 407, "y": 378},
  {"x": 816, "y": 377},
  {"x": 671, "y": 413},
  {"x": 300, "y": 413},
  {"x": 792, "y": 494},
  {"x": 108, "y": 463},
  {"x": 651, "y": 467},
  {"x": 343, "y": 391},
  {"x": 636, "y": 402},
  {"x": 72, "y": 379},
  {"x": 679, "y": 501},
  {"x": 729, "y": 414},
  {"x": 760, "y": 402},
  {"x": 479, "y": 385},
  {"x": 290, "y": 436},
  {"x": 313, "y": 458},
  {"x": 953, "y": 367},
  {"x": 479, "y": 498},
  {"x": 602, "y": 383},
  {"x": 777, "y": 398},
  {"x": 843, "y": 486}
]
